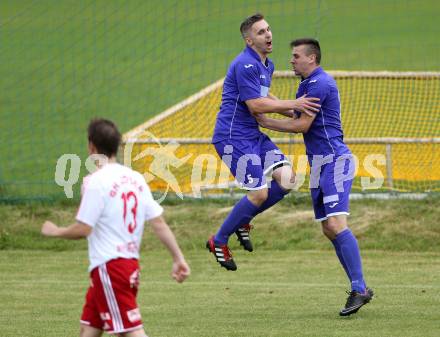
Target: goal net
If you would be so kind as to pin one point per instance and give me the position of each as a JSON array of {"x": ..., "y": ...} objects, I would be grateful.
[{"x": 391, "y": 122}]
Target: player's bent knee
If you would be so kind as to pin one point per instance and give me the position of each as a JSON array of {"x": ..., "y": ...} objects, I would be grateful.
[
  {"x": 330, "y": 234},
  {"x": 334, "y": 225},
  {"x": 287, "y": 188},
  {"x": 288, "y": 185},
  {"x": 285, "y": 177}
]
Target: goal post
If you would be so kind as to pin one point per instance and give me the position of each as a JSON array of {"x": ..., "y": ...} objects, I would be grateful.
[{"x": 391, "y": 123}]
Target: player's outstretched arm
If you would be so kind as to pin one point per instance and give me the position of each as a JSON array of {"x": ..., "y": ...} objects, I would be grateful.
[
  {"x": 289, "y": 113},
  {"x": 298, "y": 125},
  {"x": 73, "y": 232},
  {"x": 303, "y": 104},
  {"x": 181, "y": 269}
]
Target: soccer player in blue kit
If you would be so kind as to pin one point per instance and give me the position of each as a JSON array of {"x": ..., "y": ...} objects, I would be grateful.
[
  {"x": 249, "y": 153},
  {"x": 331, "y": 162}
]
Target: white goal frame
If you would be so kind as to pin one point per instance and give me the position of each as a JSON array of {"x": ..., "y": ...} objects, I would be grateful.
[{"x": 131, "y": 137}]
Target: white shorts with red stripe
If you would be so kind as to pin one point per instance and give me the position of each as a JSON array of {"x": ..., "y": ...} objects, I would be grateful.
[{"x": 111, "y": 298}]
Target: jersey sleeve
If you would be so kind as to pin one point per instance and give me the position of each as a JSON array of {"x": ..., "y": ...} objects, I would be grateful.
[
  {"x": 318, "y": 88},
  {"x": 248, "y": 81},
  {"x": 153, "y": 209},
  {"x": 92, "y": 202}
]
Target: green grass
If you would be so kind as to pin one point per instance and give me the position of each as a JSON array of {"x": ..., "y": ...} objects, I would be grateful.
[
  {"x": 393, "y": 225},
  {"x": 274, "y": 293},
  {"x": 67, "y": 61},
  {"x": 291, "y": 285}
]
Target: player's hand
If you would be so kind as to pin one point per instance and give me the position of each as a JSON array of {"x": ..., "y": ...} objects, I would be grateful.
[
  {"x": 49, "y": 229},
  {"x": 180, "y": 271},
  {"x": 307, "y": 105}
]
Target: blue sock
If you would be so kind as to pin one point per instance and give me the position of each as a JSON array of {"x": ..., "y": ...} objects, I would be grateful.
[
  {"x": 341, "y": 259},
  {"x": 349, "y": 249},
  {"x": 275, "y": 194},
  {"x": 241, "y": 214}
]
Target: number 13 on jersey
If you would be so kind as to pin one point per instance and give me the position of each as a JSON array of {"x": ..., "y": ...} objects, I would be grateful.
[{"x": 130, "y": 199}]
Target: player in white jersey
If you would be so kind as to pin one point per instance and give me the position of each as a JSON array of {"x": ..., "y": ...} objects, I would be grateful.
[{"x": 115, "y": 203}]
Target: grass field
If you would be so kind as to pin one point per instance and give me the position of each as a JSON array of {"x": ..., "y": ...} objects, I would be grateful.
[
  {"x": 273, "y": 294},
  {"x": 291, "y": 285},
  {"x": 64, "y": 62}
]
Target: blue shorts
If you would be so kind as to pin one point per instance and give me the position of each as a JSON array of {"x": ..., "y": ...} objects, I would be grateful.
[
  {"x": 249, "y": 160},
  {"x": 331, "y": 196}
]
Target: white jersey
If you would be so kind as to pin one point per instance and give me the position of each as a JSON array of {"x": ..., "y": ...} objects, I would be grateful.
[{"x": 116, "y": 202}]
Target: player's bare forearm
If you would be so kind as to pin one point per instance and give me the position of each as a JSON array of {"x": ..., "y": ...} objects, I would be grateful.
[
  {"x": 290, "y": 114},
  {"x": 268, "y": 105},
  {"x": 180, "y": 270},
  {"x": 73, "y": 232},
  {"x": 282, "y": 125},
  {"x": 166, "y": 236},
  {"x": 263, "y": 105},
  {"x": 295, "y": 125}
]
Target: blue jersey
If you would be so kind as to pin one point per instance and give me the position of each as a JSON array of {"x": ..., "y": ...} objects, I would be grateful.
[
  {"x": 247, "y": 78},
  {"x": 325, "y": 135}
]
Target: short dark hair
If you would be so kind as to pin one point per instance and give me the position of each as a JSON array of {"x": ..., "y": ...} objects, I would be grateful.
[
  {"x": 104, "y": 134},
  {"x": 312, "y": 47},
  {"x": 248, "y": 22}
]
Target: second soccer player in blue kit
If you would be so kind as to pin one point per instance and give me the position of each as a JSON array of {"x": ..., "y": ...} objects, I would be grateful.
[{"x": 331, "y": 162}]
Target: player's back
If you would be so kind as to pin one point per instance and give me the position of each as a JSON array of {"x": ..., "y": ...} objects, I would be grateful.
[
  {"x": 325, "y": 135},
  {"x": 116, "y": 202},
  {"x": 247, "y": 78}
]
